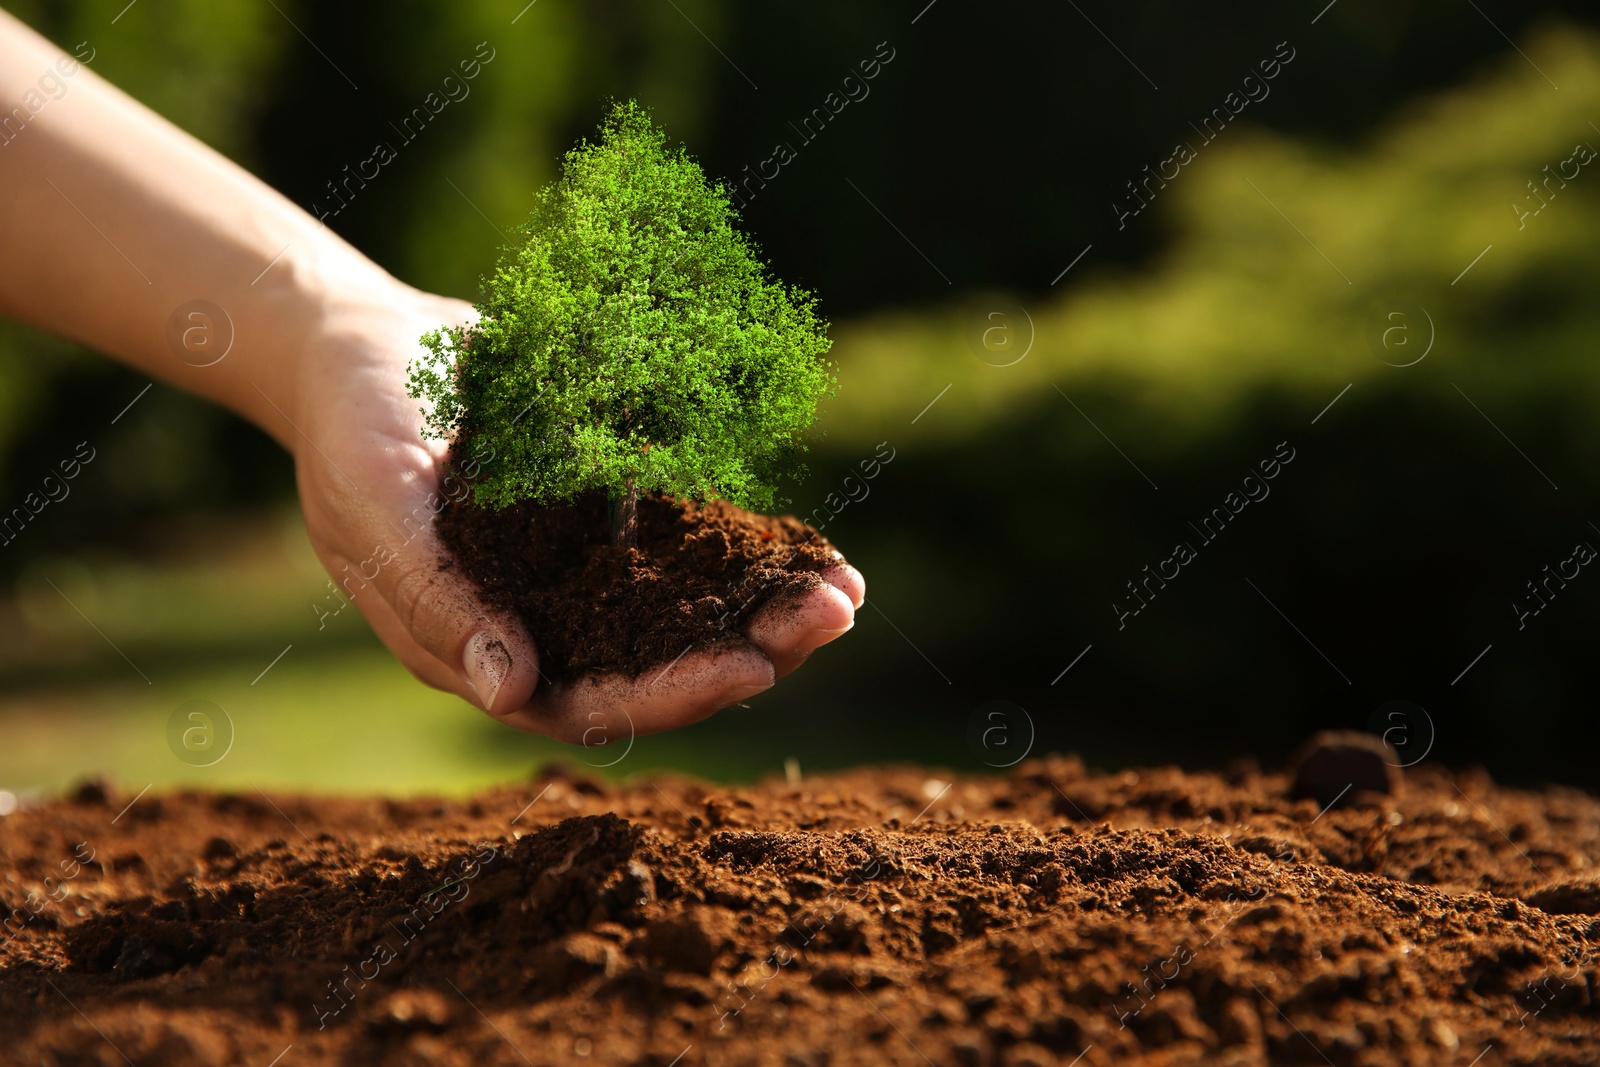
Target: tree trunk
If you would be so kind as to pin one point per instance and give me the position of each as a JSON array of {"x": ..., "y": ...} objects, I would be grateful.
[{"x": 624, "y": 507}]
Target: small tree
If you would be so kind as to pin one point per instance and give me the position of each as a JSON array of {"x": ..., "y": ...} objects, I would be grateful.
[{"x": 630, "y": 340}]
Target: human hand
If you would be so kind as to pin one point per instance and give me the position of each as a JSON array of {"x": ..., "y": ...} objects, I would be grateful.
[{"x": 368, "y": 485}]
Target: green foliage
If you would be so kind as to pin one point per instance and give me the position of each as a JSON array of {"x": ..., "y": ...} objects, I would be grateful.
[
  {"x": 1243, "y": 303},
  {"x": 631, "y": 337},
  {"x": 508, "y": 136},
  {"x": 204, "y": 65}
]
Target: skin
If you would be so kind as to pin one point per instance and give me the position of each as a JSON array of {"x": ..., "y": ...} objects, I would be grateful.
[{"x": 112, "y": 218}]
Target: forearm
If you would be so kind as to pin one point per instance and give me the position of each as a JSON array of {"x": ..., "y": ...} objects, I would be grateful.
[{"x": 113, "y": 219}]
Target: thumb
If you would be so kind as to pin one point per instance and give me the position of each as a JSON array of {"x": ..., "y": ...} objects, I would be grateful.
[{"x": 432, "y": 618}]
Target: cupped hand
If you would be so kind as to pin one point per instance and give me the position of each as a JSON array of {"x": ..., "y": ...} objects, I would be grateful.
[{"x": 369, "y": 485}]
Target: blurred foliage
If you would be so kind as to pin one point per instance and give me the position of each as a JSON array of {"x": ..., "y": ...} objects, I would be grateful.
[
  {"x": 989, "y": 171},
  {"x": 476, "y": 168},
  {"x": 1419, "y": 507},
  {"x": 1246, "y": 298},
  {"x": 205, "y": 66},
  {"x": 1219, "y": 322}
]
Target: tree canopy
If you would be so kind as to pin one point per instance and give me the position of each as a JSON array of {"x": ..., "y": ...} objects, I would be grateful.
[{"x": 630, "y": 338}]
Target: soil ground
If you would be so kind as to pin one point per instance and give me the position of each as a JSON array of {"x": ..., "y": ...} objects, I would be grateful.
[
  {"x": 697, "y": 575},
  {"x": 882, "y": 916}
]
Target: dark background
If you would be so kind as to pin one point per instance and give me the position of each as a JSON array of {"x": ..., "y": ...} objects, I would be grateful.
[{"x": 995, "y": 140}]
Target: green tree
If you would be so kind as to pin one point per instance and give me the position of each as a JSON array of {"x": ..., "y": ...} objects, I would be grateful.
[{"x": 630, "y": 340}]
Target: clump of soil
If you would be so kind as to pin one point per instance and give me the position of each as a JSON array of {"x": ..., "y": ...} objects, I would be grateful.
[
  {"x": 884, "y": 916},
  {"x": 698, "y": 574}
]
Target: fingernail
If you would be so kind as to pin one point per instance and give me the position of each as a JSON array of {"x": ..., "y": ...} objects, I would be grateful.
[
  {"x": 741, "y": 693},
  {"x": 487, "y": 663}
]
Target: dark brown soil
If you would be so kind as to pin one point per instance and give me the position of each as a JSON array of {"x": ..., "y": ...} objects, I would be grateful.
[
  {"x": 700, "y": 572},
  {"x": 1055, "y": 916}
]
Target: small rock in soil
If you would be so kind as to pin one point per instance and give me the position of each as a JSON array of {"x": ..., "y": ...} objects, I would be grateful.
[{"x": 1337, "y": 766}]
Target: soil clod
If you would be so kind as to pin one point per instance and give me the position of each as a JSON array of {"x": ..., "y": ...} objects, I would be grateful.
[
  {"x": 1337, "y": 766},
  {"x": 695, "y": 578}
]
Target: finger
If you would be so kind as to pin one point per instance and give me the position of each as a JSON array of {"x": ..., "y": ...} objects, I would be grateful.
[
  {"x": 600, "y": 709},
  {"x": 433, "y": 620},
  {"x": 848, "y": 581},
  {"x": 424, "y": 665},
  {"x": 792, "y": 627},
  {"x": 427, "y": 667}
]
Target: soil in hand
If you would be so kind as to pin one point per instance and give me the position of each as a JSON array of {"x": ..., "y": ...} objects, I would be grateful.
[
  {"x": 698, "y": 575},
  {"x": 884, "y": 916}
]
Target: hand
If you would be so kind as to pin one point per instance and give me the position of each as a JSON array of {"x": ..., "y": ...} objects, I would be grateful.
[{"x": 366, "y": 475}]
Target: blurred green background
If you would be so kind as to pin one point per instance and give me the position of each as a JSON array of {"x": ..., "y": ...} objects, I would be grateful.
[{"x": 1387, "y": 170}]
